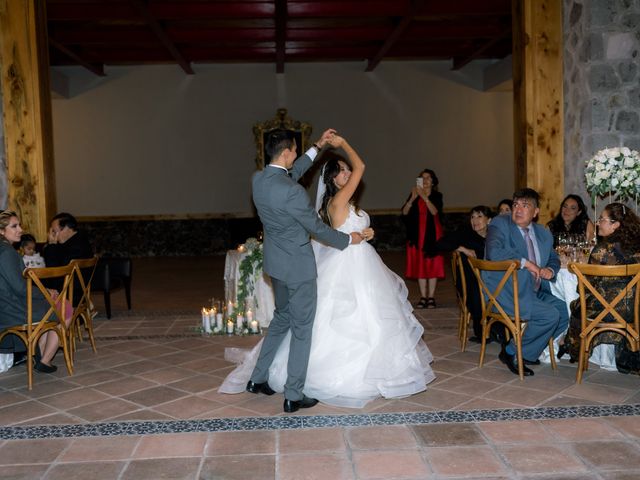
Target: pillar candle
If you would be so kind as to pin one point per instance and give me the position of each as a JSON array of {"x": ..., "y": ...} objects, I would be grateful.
[
  {"x": 254, "y": 326},
  {"x": 206, "y": 320},
  {"x": 239, "y": 321},
  {"x": 229, "y": 326},
  {"x": 219, "y": 321}
]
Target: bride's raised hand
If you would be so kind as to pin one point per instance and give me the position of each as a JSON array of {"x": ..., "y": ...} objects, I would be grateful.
[
  {"x": 336, "y": 141},
  {"x": 326, "y": 136}
]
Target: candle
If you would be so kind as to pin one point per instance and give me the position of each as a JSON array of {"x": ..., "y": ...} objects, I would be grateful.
[
  {"x": 219, "y": 321},
  {"x": 239, "y": 321},
  {"x": 249, "y": 315},
  {"x": 241, "y": 248},
  {"x": 254, "y": 326},
  {"x": 229, "y": 326},
  {"x": 229, "y": 309},
  {"x": 206, "y": 320}
]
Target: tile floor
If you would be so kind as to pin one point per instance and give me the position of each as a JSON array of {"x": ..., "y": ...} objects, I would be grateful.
[{"x": 146, "y": 407}]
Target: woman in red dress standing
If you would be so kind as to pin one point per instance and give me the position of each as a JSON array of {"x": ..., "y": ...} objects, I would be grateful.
[{"x": 422, "y": 212}]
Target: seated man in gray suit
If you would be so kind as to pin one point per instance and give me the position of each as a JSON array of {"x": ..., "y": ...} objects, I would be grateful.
[
  {"x": 517, "y": 237},
  {"x": 289, "y": 220}
]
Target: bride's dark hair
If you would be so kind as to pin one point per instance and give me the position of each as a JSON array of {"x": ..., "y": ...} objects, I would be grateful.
[{"x": 331, "y": 171}]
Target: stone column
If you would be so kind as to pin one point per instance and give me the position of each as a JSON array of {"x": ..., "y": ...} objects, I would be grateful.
[{"x": 601, "y": 82}]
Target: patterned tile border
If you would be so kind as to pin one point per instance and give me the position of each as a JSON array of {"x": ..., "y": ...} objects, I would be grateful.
[{"x": 317, "y": 421}]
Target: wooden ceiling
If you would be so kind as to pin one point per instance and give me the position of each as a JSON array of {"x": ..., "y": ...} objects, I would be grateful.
[{"x": 95, "y": 33}]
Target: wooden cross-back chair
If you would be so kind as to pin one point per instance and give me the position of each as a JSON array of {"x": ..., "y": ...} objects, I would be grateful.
[
  {"x": 608, "y": 319},
  {"x": 457, "y": 269},
  {"x": 83, "y": 271},
  {"x": 493, "y": 311},
  {"x": 53, "y": 320}
]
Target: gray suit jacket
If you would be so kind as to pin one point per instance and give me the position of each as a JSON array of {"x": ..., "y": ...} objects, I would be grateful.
[
  {"x": 505, "y": 242},
  {"x": 289, "y": 219}
]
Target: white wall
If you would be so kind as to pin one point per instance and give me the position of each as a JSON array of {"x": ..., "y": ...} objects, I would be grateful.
[{"x": 152, "y": 140}]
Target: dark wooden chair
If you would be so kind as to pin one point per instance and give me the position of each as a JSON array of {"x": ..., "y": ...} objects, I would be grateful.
[{"x": 112, "y": 273}]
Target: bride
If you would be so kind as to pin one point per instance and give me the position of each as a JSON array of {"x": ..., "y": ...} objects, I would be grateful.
[{"x": 366, "y": 342}]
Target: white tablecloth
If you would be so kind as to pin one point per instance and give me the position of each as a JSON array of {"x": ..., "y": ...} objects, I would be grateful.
[
  {"x": 566, "y": 288},
  {"x": 263, "y": 292}
]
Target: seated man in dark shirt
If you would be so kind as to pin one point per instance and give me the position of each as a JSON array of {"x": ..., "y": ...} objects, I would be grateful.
[{"x": 65, "y": 243}]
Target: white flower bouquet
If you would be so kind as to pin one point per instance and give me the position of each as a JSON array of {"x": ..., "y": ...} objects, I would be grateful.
[{"x": 614, "y": 172}]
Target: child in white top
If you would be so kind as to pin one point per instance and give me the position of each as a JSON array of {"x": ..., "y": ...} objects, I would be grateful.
[{"x": 30, "y": 257}]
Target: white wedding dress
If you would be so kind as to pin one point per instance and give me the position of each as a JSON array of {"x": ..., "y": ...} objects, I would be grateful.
[{"x": 366, "y": 341}]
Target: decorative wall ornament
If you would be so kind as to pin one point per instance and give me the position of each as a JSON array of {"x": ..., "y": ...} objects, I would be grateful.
[{"x": 261, "y": 130}]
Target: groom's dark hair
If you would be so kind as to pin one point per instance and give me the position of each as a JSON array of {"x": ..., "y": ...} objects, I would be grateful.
[{"x": 278, "y": 141}]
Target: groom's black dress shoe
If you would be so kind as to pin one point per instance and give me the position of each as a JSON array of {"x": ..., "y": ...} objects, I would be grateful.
[
  {"x": 511, "y": 361},
  {"x": 253, "y": 387},
  {"x": 531, "y": 362},
  {"x": 291, "y": 406}
]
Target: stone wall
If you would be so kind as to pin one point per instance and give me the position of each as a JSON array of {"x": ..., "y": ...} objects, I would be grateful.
[
  {"x": 192, "y": 237},
  {"x": 601, "y": 82}
]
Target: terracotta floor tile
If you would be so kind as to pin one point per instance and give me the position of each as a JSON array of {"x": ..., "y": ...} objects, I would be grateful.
[
  {"x": 15, "y": 452},
  {"x": 610, "y": 455},
  {"x": 53, "y": 419},
  {"x": 581, "y": 429},
  {"x": 440, "y": 399},
  {"x": 381, "y": 438},
  {"x": 315, "y": 467},
  {"x": 98, "y": 411},
  {"x": 240, "y": 467},
  {"x": 171, "y": 445},
  {"x": 325, "y": 440},
  {"x": 94, "y": 449},
  {"x": 499, "y": 374},
  {"x": 463, "y": 461},
  {"x": 390, "y": 464},
  {"x": 520, "y": 396},
  {"x": 232, "y": 443},
  {"x": 564, "y": 401},
  {"x": 155, "y": 396},
  {"x": 447, "y": 434},
  {"x": 74, "y": 398},
  {"x": 86, "y": 470},
  {"x": 468, "y": 386},
  {"x": 47, "y": 388},
  {"x": 141, "y": 415},
  {"x": 526, "y": 431},
  {"x": 11, "y": 398},
  {"x": 166, "y": 375},
  {"x": 550, "y": 459},
  {"x": 195, "y": 384},
  {"x": 619, "y": 475},
  {"x": 135, "y": 368},
  {"x": 485, "y": 404},
  {"x": 599, "y": 393},
  {"x": 24, "y": 472},
  {"x": 174, "y": 468},
  {"x": 187, "y": 407},
  {"x": 24, "y": 411},
  {"x": 629, "y": 425},
  {"x": 101, "y": 376},
  {"x": 449, "y": 366},
  {"x": 124, "y": 386}
]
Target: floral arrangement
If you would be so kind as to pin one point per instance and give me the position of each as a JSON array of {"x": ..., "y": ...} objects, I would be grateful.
[
  {"x": 614, "y": 171},
  {"x": 250, "y": 266}
]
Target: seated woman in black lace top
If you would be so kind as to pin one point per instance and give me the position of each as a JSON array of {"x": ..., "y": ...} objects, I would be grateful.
[
  {"x": 469, "y": 241},
  {"x": 619, "y": 244},
  {"x": 572, "y": 219}
]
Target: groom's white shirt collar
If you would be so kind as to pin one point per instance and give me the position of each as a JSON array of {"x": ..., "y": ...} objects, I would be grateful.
[{"x": 312, "y": 153}]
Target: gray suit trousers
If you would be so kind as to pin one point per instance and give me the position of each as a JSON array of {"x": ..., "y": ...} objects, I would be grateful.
[{"x": 295, "y": 310}]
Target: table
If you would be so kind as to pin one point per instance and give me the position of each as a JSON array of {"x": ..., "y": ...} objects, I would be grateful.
[
  {"x": 263, "y": 293},
  {"x": 566, "y": 288}
]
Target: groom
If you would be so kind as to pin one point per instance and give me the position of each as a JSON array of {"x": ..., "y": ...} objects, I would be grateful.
[{"x": 289, "y": 219}]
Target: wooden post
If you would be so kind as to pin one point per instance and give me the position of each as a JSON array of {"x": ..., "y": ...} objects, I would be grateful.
[
  {"x": 537, "y": 107},
  {"x": 26, "y": 96}
]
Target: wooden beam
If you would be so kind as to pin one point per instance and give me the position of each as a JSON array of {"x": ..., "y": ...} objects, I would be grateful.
[
  {"x": 96, "y": 69},
  {"x": 281, "y": 34},
  {"x": 395, "y": 35},
  {"x": 158, "y": 29},
  {"x": 458, "y": 63},
  {"x": 28, "y": 132},
  {"x": 538, "y": 107}
]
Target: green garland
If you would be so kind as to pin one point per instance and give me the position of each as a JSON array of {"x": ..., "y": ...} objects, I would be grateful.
[{"x": 250, "y": 267}]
